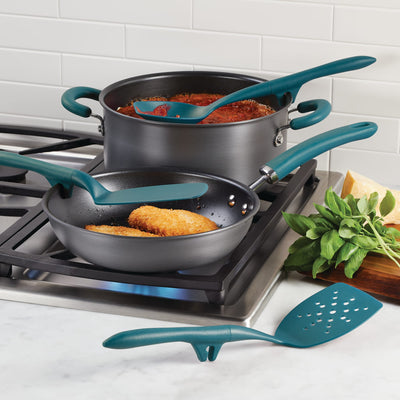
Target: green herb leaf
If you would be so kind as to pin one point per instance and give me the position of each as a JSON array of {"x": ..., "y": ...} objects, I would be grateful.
[
  {"x": 316, "y": 232},
  {"x": 321, "y": 222},
  {"x": 345, "y": 252},
  {"x": 327, "y": 214},
  {"x": 337, "y": 205},
  {"x": 393, "y": 233},
  {"x": 320, "y": 265},
  {"x": 365, "y": 242},
  {"x": 373, "y": 202},
  {"x": 362, "y": 205},
  {"x": 387, "y": 204},
  {"x": 351, "y": 201},
  {"x": 331, "y": 242},
  {"x": 349, "y": 228},
  {"x": 354, "y": 262},
  {"x": 299, "y": 243},
  {"x": 303, "y": 256},
  {"x": 299, "y": 223}
]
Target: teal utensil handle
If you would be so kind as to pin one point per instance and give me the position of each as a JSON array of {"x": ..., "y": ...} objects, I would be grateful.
[
  {"x": 294, "y": 82},
  {"x": 150, "y": 336},
  {"x": 54, "y": 173},
  {"x": 206, "y": 340},
  {"x": 319, "y": 109},
  {"x": 305, "y": 151},
  {"x": 69, "y": 97}
]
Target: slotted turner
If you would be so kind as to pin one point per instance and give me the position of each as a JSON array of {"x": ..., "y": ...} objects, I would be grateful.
[{"x": 328, "y": 314}]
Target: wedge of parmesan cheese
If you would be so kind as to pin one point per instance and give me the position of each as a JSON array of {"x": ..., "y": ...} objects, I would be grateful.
[{"x": 359, "y": 185}]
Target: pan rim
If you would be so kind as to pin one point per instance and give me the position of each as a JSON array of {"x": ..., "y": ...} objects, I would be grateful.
[{"x": 249, "y": 215}]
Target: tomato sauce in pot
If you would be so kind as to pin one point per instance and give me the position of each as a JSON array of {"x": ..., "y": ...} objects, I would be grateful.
[{"x": 239, "y": 111}]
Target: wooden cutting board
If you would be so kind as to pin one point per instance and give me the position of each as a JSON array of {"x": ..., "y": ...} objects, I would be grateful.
[{"x": 377, "y": 275}]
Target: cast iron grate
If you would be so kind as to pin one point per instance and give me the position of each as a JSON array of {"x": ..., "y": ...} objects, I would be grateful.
[{"x": 224, "y": 282}]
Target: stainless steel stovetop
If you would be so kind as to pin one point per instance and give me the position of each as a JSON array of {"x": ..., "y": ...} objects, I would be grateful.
[{"x": 23, "y": 282}]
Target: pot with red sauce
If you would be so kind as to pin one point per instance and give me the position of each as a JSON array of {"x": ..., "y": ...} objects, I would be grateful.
[{"x": 234, "y": 141}]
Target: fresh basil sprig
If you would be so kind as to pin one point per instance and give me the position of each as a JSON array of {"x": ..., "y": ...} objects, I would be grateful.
[{"x": 343, "y": 231}]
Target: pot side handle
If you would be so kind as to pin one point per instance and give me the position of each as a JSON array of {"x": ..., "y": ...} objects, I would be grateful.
[
  {"x": 69, "y": 97},
  {"x": 319, "y": 109}
]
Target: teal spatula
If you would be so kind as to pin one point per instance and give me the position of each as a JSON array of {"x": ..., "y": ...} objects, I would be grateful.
[
  {"x": 328, "y": 314},
  {"x": 191, "y": 114},
  {"x": 69, "y": 177}
]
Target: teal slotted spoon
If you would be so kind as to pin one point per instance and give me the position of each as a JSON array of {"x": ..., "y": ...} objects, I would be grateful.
[
  {"x": 68, "y": 177},
  {"x": 185, "y": 113},
  {"x": 326, "y": 315}
]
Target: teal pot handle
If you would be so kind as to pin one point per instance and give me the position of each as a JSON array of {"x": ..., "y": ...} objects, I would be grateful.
[
  {"x": 286, "y": 162},
  {"x": 319, "y": 109},
  {"x": 68, "y": 100}
]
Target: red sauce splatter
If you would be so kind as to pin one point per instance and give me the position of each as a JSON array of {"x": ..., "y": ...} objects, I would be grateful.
[{"x": 240, "y": 111}]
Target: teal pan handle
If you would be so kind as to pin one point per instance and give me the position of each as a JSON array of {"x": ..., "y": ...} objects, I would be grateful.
[
  {"x": 69, "y": 97},
  {"x": 286, "y": 162},
  {"x": 206, "y": 340},
  {"x": 292, "y": 83}
]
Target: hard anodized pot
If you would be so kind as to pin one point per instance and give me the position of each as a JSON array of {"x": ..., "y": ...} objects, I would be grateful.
[{"x": 234, "y": 150}]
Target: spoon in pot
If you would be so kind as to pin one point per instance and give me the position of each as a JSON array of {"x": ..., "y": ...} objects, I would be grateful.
[
  {"x": 170, "y": 111},
  {"x": 68, "y": 177},
  {"x": 326, "y": 315}
]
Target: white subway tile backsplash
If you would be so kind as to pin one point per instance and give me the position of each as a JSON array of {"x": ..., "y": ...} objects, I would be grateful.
[
  {"x": 278, "y": 18},
  {"x": 367, "y": 25},
  {"x": 30, "y": 66},
  {"x": 31, "y": 100},
  {"x": 22, "y": 120},
  {"x": 47, "y": 46},
  {"x": 100, "y": 71},
  {"x": 173, "y": 13},
  {"x": 194, "y": 47},
  {"x": 385, "y": 140},
  {"x": 281, "y": 54},
  {"x": 360, "y": 3},
  {"x": 40, "y": 8},
  {"x": 366, "y": 97},
  {"x": 45, "y": 34},
  {"x": 381, "y": 167}
]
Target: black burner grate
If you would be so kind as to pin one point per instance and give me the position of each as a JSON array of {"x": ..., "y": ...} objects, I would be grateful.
[{"x": 221, "y": 284}]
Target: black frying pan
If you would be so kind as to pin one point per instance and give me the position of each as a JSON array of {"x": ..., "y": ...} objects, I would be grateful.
[{"x": 68, "y": 216}]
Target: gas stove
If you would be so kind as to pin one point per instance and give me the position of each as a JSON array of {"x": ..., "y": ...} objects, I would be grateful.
[{"x": 36, "y": 268}]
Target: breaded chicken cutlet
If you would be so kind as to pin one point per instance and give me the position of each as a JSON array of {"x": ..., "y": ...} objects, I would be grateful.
[
  {"x": 168, "y": 222},
  {"x": 119, "y": 230}
]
